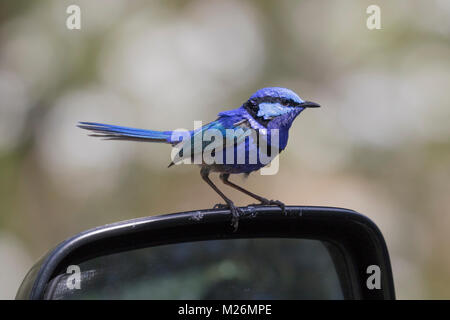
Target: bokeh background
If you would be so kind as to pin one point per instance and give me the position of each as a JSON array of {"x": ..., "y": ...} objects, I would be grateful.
[{"x": 379, "y": 145}]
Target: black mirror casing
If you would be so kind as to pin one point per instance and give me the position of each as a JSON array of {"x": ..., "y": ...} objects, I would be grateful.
[{"x": 353, "y": 241}]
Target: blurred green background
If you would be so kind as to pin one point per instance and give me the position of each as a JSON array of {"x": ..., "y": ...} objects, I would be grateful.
[{"x": 379, "y": 145}]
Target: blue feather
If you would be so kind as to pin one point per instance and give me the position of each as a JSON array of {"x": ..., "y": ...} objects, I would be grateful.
[
  {"x": 272, "y": 110},
  {"x": 113, "y": 132}
]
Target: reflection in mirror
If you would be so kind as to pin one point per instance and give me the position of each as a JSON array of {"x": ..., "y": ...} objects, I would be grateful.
[{"x": 268, "y": 268}]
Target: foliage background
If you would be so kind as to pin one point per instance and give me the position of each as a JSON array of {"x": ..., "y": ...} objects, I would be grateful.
[{"x": 380, "y": 144}]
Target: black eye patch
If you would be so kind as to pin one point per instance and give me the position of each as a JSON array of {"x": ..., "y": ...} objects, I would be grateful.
[
  {"x": 252, "y": 106},
  {"x": 283, "y": 101}
]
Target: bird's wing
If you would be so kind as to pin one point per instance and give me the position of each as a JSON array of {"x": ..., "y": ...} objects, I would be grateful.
[{"x": 240, "y": 130}]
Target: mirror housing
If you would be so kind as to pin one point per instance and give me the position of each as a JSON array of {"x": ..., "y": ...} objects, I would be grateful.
[{"x": 355, "y": 243}]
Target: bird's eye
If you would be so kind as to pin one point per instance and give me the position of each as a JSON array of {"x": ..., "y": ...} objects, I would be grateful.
[{"x": 284, "y": 102}]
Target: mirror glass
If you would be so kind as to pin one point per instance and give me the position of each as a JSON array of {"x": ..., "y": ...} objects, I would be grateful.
[{"x": 266, "y": 268}]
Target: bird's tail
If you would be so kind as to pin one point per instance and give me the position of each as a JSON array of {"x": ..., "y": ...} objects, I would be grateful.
[{"x": 112, "y": 132}]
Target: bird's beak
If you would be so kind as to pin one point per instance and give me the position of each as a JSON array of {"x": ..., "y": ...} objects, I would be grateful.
[{"x": 309, "y": 104}]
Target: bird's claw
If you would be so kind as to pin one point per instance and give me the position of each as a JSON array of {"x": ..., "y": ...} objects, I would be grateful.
[
  {"x": 235, "y": 212},
  {"x": 275, "y": 203}
]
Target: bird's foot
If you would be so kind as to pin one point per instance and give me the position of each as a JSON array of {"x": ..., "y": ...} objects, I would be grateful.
[
  {"x": 275, "y": 203},
  {"x": 235, "y": 213}
]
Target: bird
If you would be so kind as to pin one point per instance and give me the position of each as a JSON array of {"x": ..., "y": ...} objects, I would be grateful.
[{"x": 268, "y": 110}]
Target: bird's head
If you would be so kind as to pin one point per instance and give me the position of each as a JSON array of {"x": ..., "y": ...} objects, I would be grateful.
[{"x": 278, "y": 105}]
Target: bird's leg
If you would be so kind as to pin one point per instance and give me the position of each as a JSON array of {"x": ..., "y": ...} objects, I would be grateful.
[
  {"x": 204, "y": 172},
  {"x": 225, "y": 176}
]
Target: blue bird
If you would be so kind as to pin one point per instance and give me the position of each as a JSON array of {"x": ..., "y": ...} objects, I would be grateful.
[{"x": 267, "y": 109}]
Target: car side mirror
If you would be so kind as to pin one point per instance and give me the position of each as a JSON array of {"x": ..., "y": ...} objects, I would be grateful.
[{"x": 309, "y": 253}]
